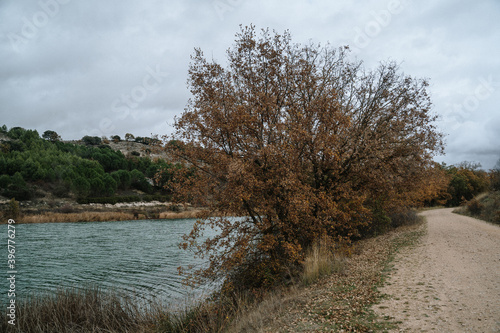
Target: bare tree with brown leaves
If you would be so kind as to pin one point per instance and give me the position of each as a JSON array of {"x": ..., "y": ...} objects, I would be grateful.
[{"x": 300, "y": 142}]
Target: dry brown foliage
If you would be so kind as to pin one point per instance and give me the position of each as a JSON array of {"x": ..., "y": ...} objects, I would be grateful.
[
  {"x": 299, "y": 141},
  {"x": 336, "y": 303}
]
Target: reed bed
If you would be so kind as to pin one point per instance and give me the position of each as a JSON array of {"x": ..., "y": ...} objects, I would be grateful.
[
  {"x": 80, "y": 310},
  {"x": 90, "y": 216},
  {"x": 76, "y": 217},
  {"x": 188, "y": 214},
  {"x": 92, "y": 310}
]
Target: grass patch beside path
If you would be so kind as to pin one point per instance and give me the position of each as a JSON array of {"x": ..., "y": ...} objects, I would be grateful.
[
  {"x": 340, "y": 302},
  {"x": 485, "y": 206}
]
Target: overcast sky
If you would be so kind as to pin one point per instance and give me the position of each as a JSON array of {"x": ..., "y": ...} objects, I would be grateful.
[{"x": 87, "y": 67}]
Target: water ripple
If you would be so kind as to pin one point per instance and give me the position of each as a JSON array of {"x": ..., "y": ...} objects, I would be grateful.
[{"x": 139, "y": 257}]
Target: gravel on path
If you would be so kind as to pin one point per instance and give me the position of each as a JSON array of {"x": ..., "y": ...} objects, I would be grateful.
[{"x": 449, "y": 281}]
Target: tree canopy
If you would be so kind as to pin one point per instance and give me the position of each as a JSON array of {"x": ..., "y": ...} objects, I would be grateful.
[
  {"x": 301, "y": 142},
  {"x": 51, "y": 136}
]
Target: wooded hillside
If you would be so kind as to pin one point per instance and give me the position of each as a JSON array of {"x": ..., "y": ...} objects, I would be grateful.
[{"x": 34, "y": 166}]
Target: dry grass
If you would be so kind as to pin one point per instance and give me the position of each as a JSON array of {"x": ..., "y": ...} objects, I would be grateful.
[
  {"x": 339, "y": 302},
  {"x": 485, "y": 206},
  {"x": 253, "y": 317},
  {"x": 188, "y": 214},
  {"x": 321, "y": 260},
  {"x": 72, "y": 310},
  {"x": 212, "y": 315},
  {"x": 95, "y": 216},
  {"x": 91, "y": 310},
  {"x": 76, "y": 217}
]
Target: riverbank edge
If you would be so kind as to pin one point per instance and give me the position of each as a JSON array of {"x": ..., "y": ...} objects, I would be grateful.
[
  {"x": 350, "y": 294},
  {"x": 107, "y": 213}
]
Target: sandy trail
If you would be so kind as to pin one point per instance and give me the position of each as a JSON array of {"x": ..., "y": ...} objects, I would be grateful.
[{"x": 450, "y": 281}]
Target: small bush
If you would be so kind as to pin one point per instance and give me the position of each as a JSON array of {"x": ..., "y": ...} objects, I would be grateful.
[
  {"x": 13, "y": 210},
  {"x": 484, "y": 207},
  {"x": 17, "y": 188},
  {"x": 61, "y": 190},
  {"x": 474, "y": 207},
  {"x": 405, "y": 217},
  {"x": 66, "y": 209},
  {"x": 175, "y": 208},
  {"x": 495, "y": 180},
  {"x": 92, "y": 140},
  {"x": 377, "y": 221}
]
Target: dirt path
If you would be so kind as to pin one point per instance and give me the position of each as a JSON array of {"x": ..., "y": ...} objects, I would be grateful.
[{"x": 450, "y": 281}]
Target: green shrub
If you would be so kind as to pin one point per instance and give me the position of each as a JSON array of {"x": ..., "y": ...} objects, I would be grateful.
[
  {"x": 122, "y": 178},
  {"x": 13, "y": 210},
  {"x": 91, "y": 140},
  {"x": 17, "y": 188},
  {"x": 61, "y": 189},
  {"x": 4, "y": 181},
  {"x": 378, "y": 221},
  {"x": 81, "y": 186},
  {"x": 140, "y": 182}
]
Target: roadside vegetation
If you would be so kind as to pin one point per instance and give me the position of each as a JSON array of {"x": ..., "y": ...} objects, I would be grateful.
[
  {"x": 334, "y": 289},
  {"x": 485, "y": 207},
  {"x": 483, "y": 202}
]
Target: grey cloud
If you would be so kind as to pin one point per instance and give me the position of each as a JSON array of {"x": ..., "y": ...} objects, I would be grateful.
[{"x": 68, "y": 74}]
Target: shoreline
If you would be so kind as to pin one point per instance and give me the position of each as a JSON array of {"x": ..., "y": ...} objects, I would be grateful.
[{"x": 106, "y": 213}]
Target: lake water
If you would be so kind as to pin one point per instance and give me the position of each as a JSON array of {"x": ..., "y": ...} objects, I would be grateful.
[{"x": 138, "y": 257}]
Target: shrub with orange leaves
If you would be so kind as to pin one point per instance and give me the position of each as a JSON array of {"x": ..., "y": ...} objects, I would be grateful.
[{"x": 297, "y": 141}]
